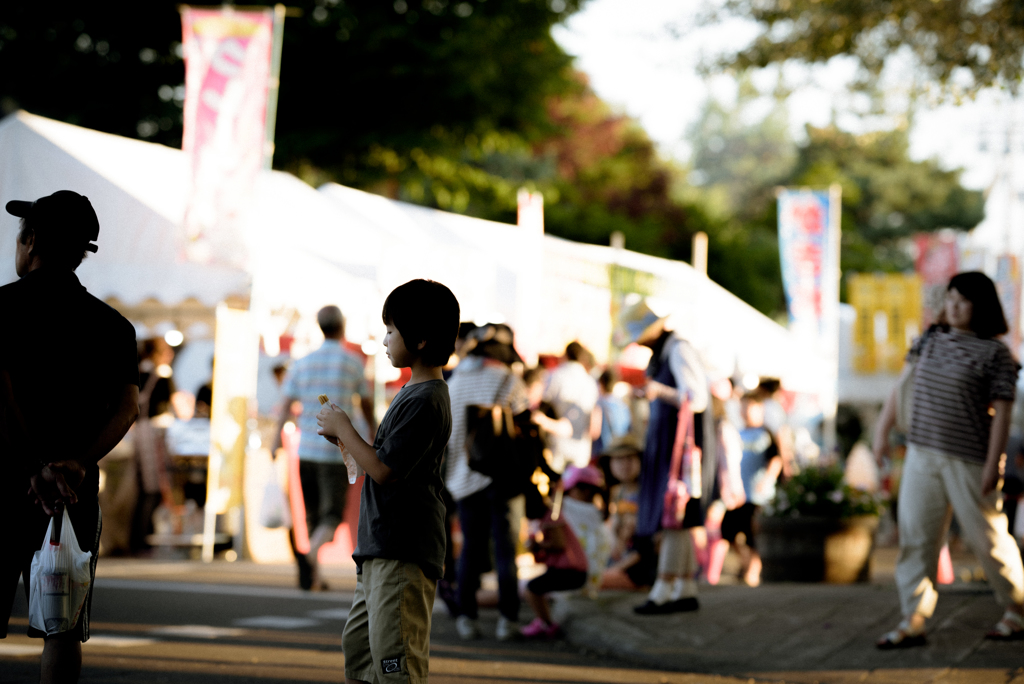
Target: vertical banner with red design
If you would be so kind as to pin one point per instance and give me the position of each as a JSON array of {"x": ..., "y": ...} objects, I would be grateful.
[
  {"x": 937, "y": 261},
  {"x": 227, "y": 69},
  {"x": 803, "y": 248},
  {"x": 809, "y": 252}
]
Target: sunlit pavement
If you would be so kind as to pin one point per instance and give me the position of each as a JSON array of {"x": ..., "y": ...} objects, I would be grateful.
[{"x": 186, "y": 622}]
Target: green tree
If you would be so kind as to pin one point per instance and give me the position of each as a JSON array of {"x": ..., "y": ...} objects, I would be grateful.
[
  {"x": 887, "y": 197},
  {"x": 356, "y": 76},
  {"x": 738, "y": 157},
  {"x": 981, "y": 42}
]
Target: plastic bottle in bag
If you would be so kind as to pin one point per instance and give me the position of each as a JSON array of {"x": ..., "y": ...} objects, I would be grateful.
[
  {"x": 57, "y": 598},
  {"x": 56, "y": 588}
]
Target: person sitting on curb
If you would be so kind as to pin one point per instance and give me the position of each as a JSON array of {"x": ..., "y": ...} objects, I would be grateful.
[{"x": 572, "y": 543}]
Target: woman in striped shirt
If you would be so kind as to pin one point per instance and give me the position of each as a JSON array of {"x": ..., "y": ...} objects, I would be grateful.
[{"x": 964, "y": 387}]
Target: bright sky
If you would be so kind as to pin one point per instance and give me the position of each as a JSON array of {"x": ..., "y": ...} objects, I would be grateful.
[
  {"x": 642, "y": 56},
  {"x": 637, "y": 62}
]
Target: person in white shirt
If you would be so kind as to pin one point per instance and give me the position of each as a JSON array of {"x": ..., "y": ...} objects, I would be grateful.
[{"x": 573, "y": 394}]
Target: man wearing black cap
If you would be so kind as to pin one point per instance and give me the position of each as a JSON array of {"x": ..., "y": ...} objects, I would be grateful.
[{"x": 68, "y": 394}]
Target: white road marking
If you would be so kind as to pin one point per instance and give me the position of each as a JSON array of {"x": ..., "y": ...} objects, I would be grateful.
[
  {"x": 118, "y": 641},
  {"x": 198, "y": 631},
  {"x": 329, "y": 614},
  {"x": 276, "y": 622},
  {"x": 221, "y": 590}
]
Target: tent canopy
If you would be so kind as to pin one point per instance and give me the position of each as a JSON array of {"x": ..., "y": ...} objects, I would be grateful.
[
  {"x": 483, "y": 262},
  {"x": 138, "y": 192},
  {"x": 303, "y": 249},
  {"x": 295, "y": 244}
]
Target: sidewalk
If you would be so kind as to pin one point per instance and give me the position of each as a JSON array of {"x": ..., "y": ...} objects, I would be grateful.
[{"x": 802, "y": 633}]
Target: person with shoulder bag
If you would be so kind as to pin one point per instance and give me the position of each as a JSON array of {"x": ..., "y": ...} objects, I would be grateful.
[{"x": 485, "y": 389}]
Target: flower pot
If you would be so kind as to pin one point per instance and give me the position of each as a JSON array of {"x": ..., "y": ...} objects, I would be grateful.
[
  {"x": 792, "y": 549},
  {"x": 814, "y": 549},
  {"x": 848, "y": 550}
]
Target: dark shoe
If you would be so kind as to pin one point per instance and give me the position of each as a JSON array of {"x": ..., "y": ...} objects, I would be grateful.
[
  {"x": 649, "y": 607},
  {"x": 683, "y": 605}
]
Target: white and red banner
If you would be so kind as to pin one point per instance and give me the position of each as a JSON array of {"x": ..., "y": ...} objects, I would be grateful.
[
  {"x": 937, "y": 261},
  {"x": 809, "y": 237},
  {"x": 804, "y": 250},
  {"x": 227, "y": 71}
]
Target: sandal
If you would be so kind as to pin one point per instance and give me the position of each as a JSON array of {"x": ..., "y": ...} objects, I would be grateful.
[
  {"x": 1009, "y": 628},
  {"x": 901, "y": 637}
]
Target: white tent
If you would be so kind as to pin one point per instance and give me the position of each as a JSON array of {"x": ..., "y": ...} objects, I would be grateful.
[
  {"x": 138, "y": 192},
  {"x": 304, "y": 249},
  {"x": 300, "y": 252},
  {"x": 483, "y": 262}
]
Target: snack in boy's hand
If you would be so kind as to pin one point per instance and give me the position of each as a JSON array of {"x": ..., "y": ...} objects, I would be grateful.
[{"x": 354, "y": 471}]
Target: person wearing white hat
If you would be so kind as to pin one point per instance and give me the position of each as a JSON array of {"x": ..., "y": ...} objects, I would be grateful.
[{"x": 675, "y": 375}]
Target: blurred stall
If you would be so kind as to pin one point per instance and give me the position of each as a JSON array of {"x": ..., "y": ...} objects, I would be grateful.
[{"x": 302, "y": 249}]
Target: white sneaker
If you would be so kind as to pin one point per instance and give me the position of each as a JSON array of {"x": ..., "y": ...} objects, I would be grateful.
[
  {"x": 506, "y": 630},
  {"x": 466, "y": 627}
]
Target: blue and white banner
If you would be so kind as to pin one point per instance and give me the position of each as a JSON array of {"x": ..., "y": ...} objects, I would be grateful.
[{"x": 805, "y": 252}]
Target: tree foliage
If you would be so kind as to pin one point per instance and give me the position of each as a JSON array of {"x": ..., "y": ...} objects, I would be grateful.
[
  {"x": 355, "y": 76},
  {"x": 951, "y": 39},
  {"x": 887, "y": 197},
  {"x": 457, "y": 104},
  {"x": 740, "y": 160}
]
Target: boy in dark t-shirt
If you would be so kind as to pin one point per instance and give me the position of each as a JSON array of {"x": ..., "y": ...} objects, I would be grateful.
[{"x": 401, "y": 541}]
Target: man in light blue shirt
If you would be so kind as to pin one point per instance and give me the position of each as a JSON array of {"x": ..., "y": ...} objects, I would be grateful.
[{"x": 339, "y": 373}]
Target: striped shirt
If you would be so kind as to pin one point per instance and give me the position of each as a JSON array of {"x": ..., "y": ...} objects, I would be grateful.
[
  {"x": 957, "y": 377},
  {"x": 476, "y": 383},
  {"x": 331, "y": 370}
]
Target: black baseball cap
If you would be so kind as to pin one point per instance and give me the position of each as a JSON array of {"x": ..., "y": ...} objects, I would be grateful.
[{"x": 65, "y": 213}]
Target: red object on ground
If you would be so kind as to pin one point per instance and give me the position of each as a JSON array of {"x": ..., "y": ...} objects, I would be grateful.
[
  {"x": 290, "y": 443},
  {"x": 945, "y": 574},
  {"x": 339, "y": 550}
]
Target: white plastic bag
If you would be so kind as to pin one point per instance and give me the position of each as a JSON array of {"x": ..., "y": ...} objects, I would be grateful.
[
  {"x": 274, "y": 511},
  {"x": 59, "y": 582},
  {"x": 1018, "y": 521}
]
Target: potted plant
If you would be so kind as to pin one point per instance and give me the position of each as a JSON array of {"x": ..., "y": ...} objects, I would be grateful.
[{"x": 818, "y": 528}]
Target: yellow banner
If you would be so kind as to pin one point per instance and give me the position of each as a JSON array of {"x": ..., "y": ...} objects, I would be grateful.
[
  {"x": 888, "y": 309},
  {"x": 236, "y": 356}
]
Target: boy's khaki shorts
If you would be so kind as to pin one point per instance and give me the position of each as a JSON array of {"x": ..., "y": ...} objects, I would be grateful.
[{"x": 387, "y": 636}]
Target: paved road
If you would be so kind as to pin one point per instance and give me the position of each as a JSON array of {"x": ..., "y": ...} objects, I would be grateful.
[
  {"x": 181, "y": 622},
  {"x": 199, "y": 633}
]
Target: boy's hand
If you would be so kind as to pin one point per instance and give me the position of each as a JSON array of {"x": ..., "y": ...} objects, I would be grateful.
[{"x": 332, "y": 421}]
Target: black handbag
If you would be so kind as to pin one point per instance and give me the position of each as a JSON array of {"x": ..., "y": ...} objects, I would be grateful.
[{"x": 494, "y": 447}]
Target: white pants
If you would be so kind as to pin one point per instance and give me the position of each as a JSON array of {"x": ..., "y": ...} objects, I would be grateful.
[
  {"x": 933, "y": 482},
  {"x": 677, "y": 556}
]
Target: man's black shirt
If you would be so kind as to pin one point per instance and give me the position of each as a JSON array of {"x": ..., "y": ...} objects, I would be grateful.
[{"x": 69, "y": 357}]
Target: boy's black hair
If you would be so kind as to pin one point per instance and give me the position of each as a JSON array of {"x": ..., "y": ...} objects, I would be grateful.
[
  {"x": 424, "y": 311},
  {"x": 987, "y": 318}
]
